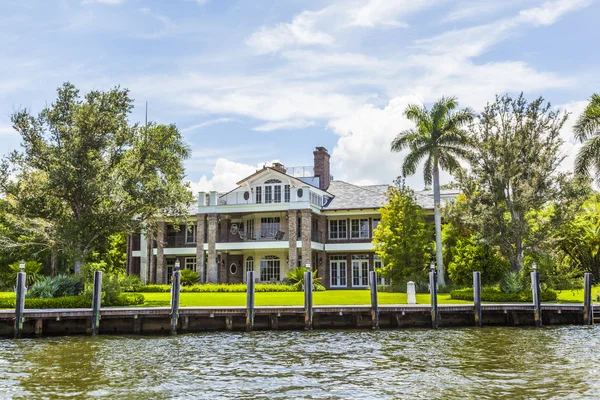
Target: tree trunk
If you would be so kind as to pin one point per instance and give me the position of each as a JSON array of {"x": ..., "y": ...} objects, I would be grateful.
[
  {"x": 438, "y": 223},
  {"x": 54, "y": 261},
  {"x": 519, "y": 257}
]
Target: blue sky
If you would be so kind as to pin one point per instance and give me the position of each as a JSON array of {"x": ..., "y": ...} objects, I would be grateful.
[{"x": 254, "y": 81}]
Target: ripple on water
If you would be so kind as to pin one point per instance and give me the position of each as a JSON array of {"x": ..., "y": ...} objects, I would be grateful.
[{"x": 447, "y": 363}]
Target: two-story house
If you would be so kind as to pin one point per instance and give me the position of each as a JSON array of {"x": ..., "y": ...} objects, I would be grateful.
[{"x": 272, "y": 221}]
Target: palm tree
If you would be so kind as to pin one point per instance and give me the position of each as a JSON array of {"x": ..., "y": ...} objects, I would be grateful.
[
  {"x": 440, "y": 139},
  {"x": 587, "y": 131}
]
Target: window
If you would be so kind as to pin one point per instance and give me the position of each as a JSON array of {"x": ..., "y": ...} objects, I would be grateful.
[
  {"x": 268, "y": 191},
  {"x": 375, "y": 224},
  {"x": 250, "y": 229},
  {"x": 190, "y": 263},
  {"x": 269, "y": 269},
  {"x": 233, "y": 269},
  {"x": 338, "y": 229},
  {"x": 316, "y": 199},
  {"x": 286, "y": 193},
  {"x": 258, "y": 194},
  {"x": 360, "y": 270},
  {"x": 337, "y": 270},
  {"x": 277, "y": 194},
  {"x": 269, "y": 226},
  {"x": 249, "y": 265},
  {"x": 360, "y": 229},
  {"x": 377, "y": 265},
  {"x": 190, "y": 234}
]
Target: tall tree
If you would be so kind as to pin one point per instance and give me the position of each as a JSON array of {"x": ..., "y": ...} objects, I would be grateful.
[
  {"x": 587, "y": 131},
  {"x": 441, "y": 140},
  {"x": 90, "y": 173},
  {"x": 402, "y": 239},
  {"x": 514, "y": 175}
]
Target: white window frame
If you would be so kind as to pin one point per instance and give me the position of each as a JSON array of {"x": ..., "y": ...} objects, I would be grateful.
[
  {"x": 362, "y": 234},
  {"x": 190, "y": 263},
  {"x": 359, "y": 277},
  {"x": 375, "y": 225},
  {"x": 286, "y": 193},
  {"x": 338, "y": 231},
  {"x": 271, "y": 265},
  {"x": 189, "y": 231},
  {"x": 339, "y": 264},
  {"x": 248, "y": 266},
  {"x": 378, "y": 264}
]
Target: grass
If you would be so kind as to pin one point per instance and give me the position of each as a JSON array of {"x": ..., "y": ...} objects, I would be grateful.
[{"x": 330, "y": 297}]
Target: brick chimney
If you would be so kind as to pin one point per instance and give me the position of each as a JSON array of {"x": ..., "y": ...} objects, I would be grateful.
[
  {"x": 279, "y": 167},
  {"x": 322, "y": 167}
]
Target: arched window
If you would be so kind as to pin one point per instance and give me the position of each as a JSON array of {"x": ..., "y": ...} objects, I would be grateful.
[
  {"x": 272, "y": 189},
  {"x": 270, "y": 269}
]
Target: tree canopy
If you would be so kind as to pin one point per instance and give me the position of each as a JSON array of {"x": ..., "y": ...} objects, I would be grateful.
[
  {"x": 90, "y": 173},
  {"x": 587, "y": 131}
]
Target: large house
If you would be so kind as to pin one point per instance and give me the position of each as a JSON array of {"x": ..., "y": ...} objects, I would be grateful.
[{"x": 274, "y": 220}]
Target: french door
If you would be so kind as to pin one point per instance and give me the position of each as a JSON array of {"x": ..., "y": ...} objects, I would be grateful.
[
  {"x": 360, "y": 273},
  {"x": 337, "y": 268}
]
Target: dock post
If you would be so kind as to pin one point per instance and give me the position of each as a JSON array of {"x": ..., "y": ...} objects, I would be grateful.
[
  {"x": 374, "y": 302},
  {"x": 20, "y": 303},
  {"x": 308, "y": 300},
  {"x": 433, "y": 293},
  {"x": 249, "y": 301},
  {"x": 535, "y": 290},
  {"x": 477, "y": 298},
  {"x": 175, "y": 293},
  {"x": 96, "y": 302},
  {"x": 588, "y": 313}
]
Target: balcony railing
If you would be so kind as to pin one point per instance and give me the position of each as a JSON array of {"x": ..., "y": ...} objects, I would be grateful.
[{"x": 263, "y": 235}]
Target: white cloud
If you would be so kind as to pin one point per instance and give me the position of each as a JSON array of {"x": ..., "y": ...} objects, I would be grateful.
[
  {"x": 301, "y": 31},
  {"x": 551, "y": 11},
  {"x": 7, "y": 131},
  {"x": 103, "y": 1},
  {"x": 225, "y": 175},
  {"x": 291, "y": 124},
  {"x": 384, "y": 12},
  {"x": 362, "y": 154},
  {"x": 206, "y": 123},
  {"x": 571, "y": 146}
]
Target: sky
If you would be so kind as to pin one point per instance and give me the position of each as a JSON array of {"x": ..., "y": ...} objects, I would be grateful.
[{"x": 250, "y": 82}]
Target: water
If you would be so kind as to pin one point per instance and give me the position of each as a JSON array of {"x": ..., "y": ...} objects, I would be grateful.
[{"x": 553, "y": 362}]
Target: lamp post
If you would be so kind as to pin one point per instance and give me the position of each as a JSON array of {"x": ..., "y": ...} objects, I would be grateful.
[
  {"x": 433, "y": 293},
  {"x": 177, "y": 264},
  {"x": 22, "y": 266}
]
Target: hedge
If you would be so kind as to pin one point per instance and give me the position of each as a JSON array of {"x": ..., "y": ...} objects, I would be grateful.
[
  {"x": 222, "y": 288},
  {"x": 124, "y": 299},
  {"x": 496, "y": 296}
]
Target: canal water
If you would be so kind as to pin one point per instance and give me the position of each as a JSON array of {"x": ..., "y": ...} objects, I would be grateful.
[{"x": 488, "y": 363}]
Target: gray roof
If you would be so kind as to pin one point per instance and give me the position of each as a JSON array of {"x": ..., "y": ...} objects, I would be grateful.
[{"x": 349, "y": 196}]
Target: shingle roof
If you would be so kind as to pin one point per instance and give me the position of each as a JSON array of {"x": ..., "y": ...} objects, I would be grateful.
[{"x": 349, "y": 196}]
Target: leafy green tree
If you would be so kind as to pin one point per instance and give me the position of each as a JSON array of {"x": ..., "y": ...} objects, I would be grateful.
[
  {"x": 91, "y": 174},
  {"x": 579, "y": 238},
  {"x": 440, "y": 140},
  {"x": 402, "y": 239},
  {"x": 587, "y": 131},
  {"x": 514, "y": 175},
  {"x": 470, "y": 255}
]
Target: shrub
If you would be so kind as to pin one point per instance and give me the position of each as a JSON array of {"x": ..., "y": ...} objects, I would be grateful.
[
  {"x": 495, "y": 295},
  {"x": 32, "y": 269},
  {"x": 129, "y": 283},
  {"x": 60, "y": 286},
  {"x": 223, "y": 288},
  {"x": 129, "y": 299},
  {"x": 189, "y": 277},
  {"x": 296, "y": 277},
  {"x": 512, "y": 282}
]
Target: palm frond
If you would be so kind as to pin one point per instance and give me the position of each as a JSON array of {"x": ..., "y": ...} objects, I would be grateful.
[
  {"x": 588, "y": 122},
  {"x": 588, "y": 157},
  {"x": 403, "y": 139},
  {"x": 412, "y": 160},
  {"x": 459, "y": 119},
  {"x": 418, "y": 115},
  {"x": 428, "y": 171}
]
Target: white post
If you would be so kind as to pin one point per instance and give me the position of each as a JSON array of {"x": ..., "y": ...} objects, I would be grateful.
[{"x": 411, "y": 292}]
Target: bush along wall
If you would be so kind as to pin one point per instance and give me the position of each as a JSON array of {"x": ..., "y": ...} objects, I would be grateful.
[
  {"x": 222, "y": 288},
  {"x": 496, "y": 296},
  {"x": 124, "y": 299}
]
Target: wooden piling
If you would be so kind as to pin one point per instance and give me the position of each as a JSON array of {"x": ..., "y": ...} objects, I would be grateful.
[
  {"x": 229, "y": 323},
  {"x": 249, "y": 301},
  {"x": 175, "y": 292},
  {"x": 537, "y": 304},
  {"x": 39, "y": 327},
  {"x": 588, "y": 309},
  {"x": 96, "y": 302},
  {"x": 308, "y": 300},
  {"x": 434, "y": 300},
  {"x": 477, "y": 298},
  {"x": 374, "y": 300},
  {"x": 20, "y": 304}
]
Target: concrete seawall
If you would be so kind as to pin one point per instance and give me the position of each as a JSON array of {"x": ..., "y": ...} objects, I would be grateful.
[{"x": 157, "y": 320}]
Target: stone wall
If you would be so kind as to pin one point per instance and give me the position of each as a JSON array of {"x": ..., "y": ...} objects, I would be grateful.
[
  {"x": 212, "y": 268},
  {"x": 200, "y": 262},
  {"x": 306, "y": 236},
  {"x": 293, "y": 238}
]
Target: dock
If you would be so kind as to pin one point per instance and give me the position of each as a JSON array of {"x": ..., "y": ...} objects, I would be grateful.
[{"x": 157, "y": 320}]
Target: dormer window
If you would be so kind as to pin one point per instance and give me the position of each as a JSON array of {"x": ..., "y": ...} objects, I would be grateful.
[{"x": 272, "y": 191}]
